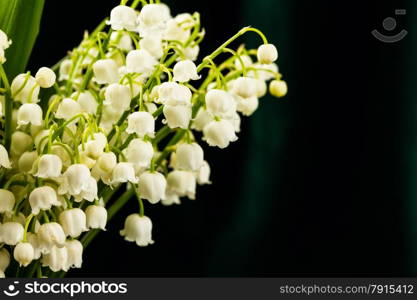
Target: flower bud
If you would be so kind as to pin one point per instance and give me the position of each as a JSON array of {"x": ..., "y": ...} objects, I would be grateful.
[
  {"x": 49, "y": 166},
  {"x": 29, "y": 113},
  {"x": 45, "y": 77},
  {"x": 64, "y": 69},
  {"x": 7, "y": 201},
  {"x": 107, "y": 162},
  {"x": 138, "y": 229},
  {"x": 23, "y": 253},
  {"x": 220, "y": 103},
  {"x": 152, "y": 186},
  {"x": 261, "y": 88},
  {"x": 182, "y": 183},
  {"x": 11, "y": 233},
  {"x": 124, "y": 172},
  {"x": 106, "y": 71},
  {"x": 94, "y": 148},
  {"x": 25, "y": 89},
  {"x": 87, "y": 102},
  {"x": 278, "y": 88},
  {"x": 219, "y": 133},
  {"x": 139, "y": 153},
  {"x": 185, "y": 71},
  {"x": 140, "y": 61},
  {"x": 43, "y": 198},
  {"x": 189, "y": 157},
  {"x": 121, "y": 40},
  {"x": 56, "y": 259},
  {"x": 96, "y": 217},
  {"x": 21, "y": 142},
  {"x": 178, "y": 116},
  {"x": 4, "y": 259},
  {"x": 203, "y": 174},
  {"x": 75, "y": 254},
  {"x": 142, "y": 123},
  {"x": 123, "y": 17},
  {"x": 27, "y": 160},
  {"x": 4, "y": 158},
  {"x": 73, "y": 222},
  {"x": 67, "y": 109},
  {"x": 118, "y": 96},
  {"x": 267, "y": 54}
]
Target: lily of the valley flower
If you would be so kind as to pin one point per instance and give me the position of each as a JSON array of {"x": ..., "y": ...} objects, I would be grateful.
[{"x": 138, "y": 229}]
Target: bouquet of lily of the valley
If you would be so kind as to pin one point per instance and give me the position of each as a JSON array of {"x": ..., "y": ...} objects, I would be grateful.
[{"x": 116, "y": 120}]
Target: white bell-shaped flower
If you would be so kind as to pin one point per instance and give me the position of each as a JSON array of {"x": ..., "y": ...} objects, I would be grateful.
[
  {"x": 278, "y": 88},
  {"x": 75, "y": 253},
  {"x": 106, "y": 71},
  {"x": 152, "y": 44},
  {"x": 191, "y": 52},
  {"x": 183, "y": 183},
  {"x": 7, "y": 201},
  {"x": 124, "y": 172},
  {"x": 152, "y": 19},
  {"x": 121, "y": 40},
  {"x": 21, "y": 142},
  {"x": 261, "y": 87},
  {"x": 175, "y": 32},
  {"x": 142, "y": 123},
  {"x": 94, "y": 148},
  {"x": 75, "y": 180},
  {"x": 34, "y": 241},
  {"x": 247, "y": 106},
  {"x": 118, "y": 96},
  {"x": 29, "y": 113},
  {"x": 67, "y": 109},
  {"x": 4, "y": 259},
  {"x": 4, "y": 158},
  {"x": 56, "y": 259},
  {"x": 267, "y": 54},
  {"x": 25, "y": 89},
  {"x": 45, "y": 77},
  {"x": 88, "y": 102},
  {"x": 43, "y": 198},
  {"x": 73, "y": 222},
  {"x": 264, "y": 71},
  {"x": 178, "y": 116},
  {"x": 138, "y": 229},
  {"x": 245, "y": 87},
  {"x": 65, "y": 69},
  {"x": 107, "y": 161},
  {"x": 170, "y": 198},
  {"x": 5, "y": 42},
  {"x": 49, "y": 166},
  {"x": 203, "y": 174},
  {"x": 220, "y": 103},
  {"x": 27, "y": 160},
  {"x": 185, "y": 71},
  {"x": 140, "y": 61},
  {"x": 123, "y": 17},
  {"x": 172, "y": 93},
  {"x": 24, "y": 253},
  {"x": 96, "y": 217},
  {"x": 189, "y": 157},
  {"x": 152, "y": 186},
  {"x": 89, "y": 191},
  {"x": 219, "y": 133},
  {"x": 202, "y": 118},
  {"x": 11, "y": 233},
  {"x": 139, "y": 153}
]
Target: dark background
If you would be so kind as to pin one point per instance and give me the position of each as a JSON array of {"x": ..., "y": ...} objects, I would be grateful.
[{"x": 321, "y": 183}]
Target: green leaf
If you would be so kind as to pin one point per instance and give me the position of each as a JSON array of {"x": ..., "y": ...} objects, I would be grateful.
[{"x": 20, "y": 20}]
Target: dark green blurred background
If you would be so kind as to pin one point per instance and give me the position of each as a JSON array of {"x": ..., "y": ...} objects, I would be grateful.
[{"x": 321, "y": 183}]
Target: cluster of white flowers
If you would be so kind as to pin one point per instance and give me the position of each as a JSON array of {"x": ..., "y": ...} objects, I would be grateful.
[{"x": 124, "y": 121}]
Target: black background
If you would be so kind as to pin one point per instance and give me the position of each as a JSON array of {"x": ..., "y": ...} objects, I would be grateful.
[{"x": 338, "y": 209}]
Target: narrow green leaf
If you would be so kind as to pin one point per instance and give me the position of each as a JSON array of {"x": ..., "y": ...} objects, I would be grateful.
[{"x": 20, "y": 20}]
